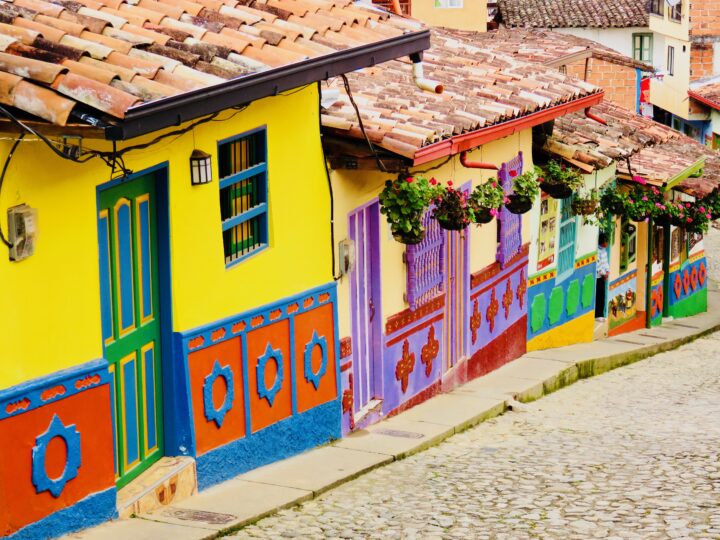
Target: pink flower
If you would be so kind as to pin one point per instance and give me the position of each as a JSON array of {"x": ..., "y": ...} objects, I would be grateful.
[
  {"x": 709, "y": 216},
  {"x": 494, "y": 184},
  {"x": 645, "y": 198},
  {"x": 689, "y": 220},
  {"x": 494, "y": 212},
  {"x": 687, "y": 205},
  {"x": 702, "y": 209},
  {"x": 631, "y": 201},
  {"x": 658, "y": 205},
  {"x": 655, "y": 190},
  {"x": 506, "y": 200}
]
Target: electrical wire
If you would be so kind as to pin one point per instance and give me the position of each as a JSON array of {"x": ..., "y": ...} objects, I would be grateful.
[
  {"x": 434, "y": 167},
  {"x": 346, "y": 83},
  {"x": 2, "y": 180}
]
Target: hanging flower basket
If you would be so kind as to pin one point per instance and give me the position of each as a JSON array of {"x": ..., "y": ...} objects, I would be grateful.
[
  {"x": 451, "y": 209},
  {"x": 584, "y": 207},
  {"x": 518, "y": 204},
  {"x": 482, "y": 216},
  {"x": 613, "y": 201},
  {"x": 556, "y": 191},
  {"x": 403, "y": 202},
  {"x": 560, "y": 182},
  {"x": 485, "y": 200},
  {"x": 414, "y": 236}
]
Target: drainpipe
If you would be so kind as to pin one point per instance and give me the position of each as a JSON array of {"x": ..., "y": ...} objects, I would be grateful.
[
  {"x": 592, "y": 116},
  {"x": 419, "y": 79},
  {"x": 476, "y": 164}
]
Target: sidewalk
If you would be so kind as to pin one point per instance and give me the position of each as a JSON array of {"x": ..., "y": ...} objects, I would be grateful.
[{"x": 264, "y": 491}]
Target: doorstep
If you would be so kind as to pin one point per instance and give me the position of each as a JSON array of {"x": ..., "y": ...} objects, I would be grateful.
[{"x": 170, "y": 480}]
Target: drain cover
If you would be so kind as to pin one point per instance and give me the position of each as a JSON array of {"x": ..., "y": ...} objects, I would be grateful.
[
  {"x": 212, "y": 518},
  {"x": 398, "y": 433}
]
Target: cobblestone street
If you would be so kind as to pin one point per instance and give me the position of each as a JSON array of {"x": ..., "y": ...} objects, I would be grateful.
[{"x": 633, "y": 453}]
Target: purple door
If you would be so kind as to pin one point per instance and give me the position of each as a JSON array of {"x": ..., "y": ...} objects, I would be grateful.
[
  {"x": 457, "y": 289},
  {"x": 366, "y": 318}
]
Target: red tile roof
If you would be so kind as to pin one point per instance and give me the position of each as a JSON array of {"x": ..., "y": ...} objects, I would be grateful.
[
  {"x": 573, "y": 13},
  {"x": 484, "y": 86},
  {"x": 112, "y": 55},
  {"x": 654, "y": 151},
  {"x": 707, "y": 93}
]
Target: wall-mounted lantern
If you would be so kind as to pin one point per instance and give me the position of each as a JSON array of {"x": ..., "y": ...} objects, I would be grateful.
[{"x": 200, "y": 167}]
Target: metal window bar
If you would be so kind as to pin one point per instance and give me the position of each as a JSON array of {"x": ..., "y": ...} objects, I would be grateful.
[
  {"x": 426, "y": 264},
  {"x": 509, "y": 224},
  {"x": 243, "y": 195}
]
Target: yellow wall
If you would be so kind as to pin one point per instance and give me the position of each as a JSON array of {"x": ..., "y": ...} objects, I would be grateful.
[
  {"x": 50, "y": 302},
  {"x": 671, "y": 92},
  {"x": 353, "y": 189},
  {"x": 667, "y": 27},
  {"x": 472, "y": 16}
]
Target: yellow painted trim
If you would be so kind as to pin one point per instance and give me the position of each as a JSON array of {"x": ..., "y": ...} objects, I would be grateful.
[
  {"x": 657, "y": 279},
  {"x": 138, "y": 239},
  {"x": 123, "y": 331},
  {"x": 697, "y": 256},
  {"x": 143, "y": 350},
  {"x": 674, "y": 267},
  {"x": 578, "y": 330},
  {"x": 542, "y": 277},
  {"x": 105, "y": 215},
  {"x": 585, "y": 261},
  {"x": 123, "y": 361}
]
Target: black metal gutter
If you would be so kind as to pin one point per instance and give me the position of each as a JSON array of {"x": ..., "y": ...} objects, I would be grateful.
[{"x": 173, "y": 111}]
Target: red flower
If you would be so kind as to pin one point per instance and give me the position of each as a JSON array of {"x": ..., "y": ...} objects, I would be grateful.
[
  {"x": 433, "y": 181},
  {"x": 409, "y": 179},
  {"x": 450, "y": 183}
]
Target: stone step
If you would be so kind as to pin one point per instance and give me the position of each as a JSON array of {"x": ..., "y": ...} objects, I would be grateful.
[{"x": 168, "y": 481}]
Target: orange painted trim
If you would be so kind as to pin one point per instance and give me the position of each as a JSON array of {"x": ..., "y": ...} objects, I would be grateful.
[
  {"x": 468, "y": 141},
  {"x": 638, "y": 323}
]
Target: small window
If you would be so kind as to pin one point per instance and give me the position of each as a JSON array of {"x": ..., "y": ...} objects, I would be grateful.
[
  {"x": 671, "y": 60},
  {"x": 642, "y": 47},
  {"x": 448, "y": 3},
  {"x": 243, "y": 194},
  {"x": 656, "y": 7},
  {"x": 676, "y": 12},
  {"x": 628, "y": 244}
]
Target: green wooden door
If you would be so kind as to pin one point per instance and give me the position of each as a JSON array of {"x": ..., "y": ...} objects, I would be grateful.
[{"x": 131, "y": 322}]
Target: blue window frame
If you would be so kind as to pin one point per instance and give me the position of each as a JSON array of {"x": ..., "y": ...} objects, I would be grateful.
[
  {"x": 244, "y": 194},
  {"x": 566, "y": 250}
]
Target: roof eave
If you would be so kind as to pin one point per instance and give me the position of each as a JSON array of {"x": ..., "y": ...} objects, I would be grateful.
[
  {"x": 174, "y": 111},
  {"x": 703, "y": 100},
  {"x": 473, "y": 139}
]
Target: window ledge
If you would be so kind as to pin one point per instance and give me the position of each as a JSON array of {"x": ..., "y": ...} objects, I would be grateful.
[{"x": 245, "y": 257}]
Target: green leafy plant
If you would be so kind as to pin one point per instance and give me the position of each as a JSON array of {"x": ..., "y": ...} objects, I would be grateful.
[
  {"x": 586, "y": 202},
  {"x": 451, "y": 208},
  {"x": 613, "y": 201},
  {"x": 643, "y": 203},
  {"x": 403, "y": 202},
  {"x": 526, "y": 184},
  {"x": 485, "y": 200},
  {"x": 555, "y": 174}
]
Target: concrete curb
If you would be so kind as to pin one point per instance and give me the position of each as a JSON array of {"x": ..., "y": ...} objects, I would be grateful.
[{"x": 268, "y": 490}]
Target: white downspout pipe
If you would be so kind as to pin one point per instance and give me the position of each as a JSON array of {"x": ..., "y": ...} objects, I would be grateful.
[{"x": 419, "y": 79}]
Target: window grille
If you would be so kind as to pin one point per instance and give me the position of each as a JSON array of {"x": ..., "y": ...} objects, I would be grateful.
[
  {"x": 426, "y": 264},
  {"x": 509, "y": 224},
  {"x": 243, "y": 194}
]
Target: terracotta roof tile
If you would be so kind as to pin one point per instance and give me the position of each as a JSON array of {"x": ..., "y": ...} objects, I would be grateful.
[
  {"x": 573, "y": 13},
  {"x": 113, "y": 54},
  {"x": 483, "y": 86},
  {"x": 708, "y": 91}
]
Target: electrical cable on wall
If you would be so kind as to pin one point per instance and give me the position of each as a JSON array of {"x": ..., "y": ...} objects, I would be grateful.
[
  {"x": 2, "y": 179},
  {"x": 346, "y": 83}
]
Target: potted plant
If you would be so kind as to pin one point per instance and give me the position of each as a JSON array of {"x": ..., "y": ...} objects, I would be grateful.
[
  {"x": 451, "y": 208},
  {"x": 697, "y": 217},
  {"x": 485, "y": 200},
  {"x": 586, "y": 203},
  {"x": 525, "y": 189},
  {"x": 404, "y": 201},
  {"x": 613, "y": 201},
  {"x": 642, "y": 203},
  {"x": 559, "y": 181}
]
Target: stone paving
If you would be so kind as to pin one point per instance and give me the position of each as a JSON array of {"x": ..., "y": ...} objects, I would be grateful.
[{"x": 634, "y": 453}]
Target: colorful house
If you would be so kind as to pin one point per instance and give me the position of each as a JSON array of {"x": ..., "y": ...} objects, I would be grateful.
[
  {"x": 418, "y": 320},
  {"x": 652, "y": 265},
  {"x": 163, "y": 176}
]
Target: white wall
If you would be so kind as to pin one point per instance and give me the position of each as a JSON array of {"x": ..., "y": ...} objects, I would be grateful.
[{"x": 619, "y": 39}]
